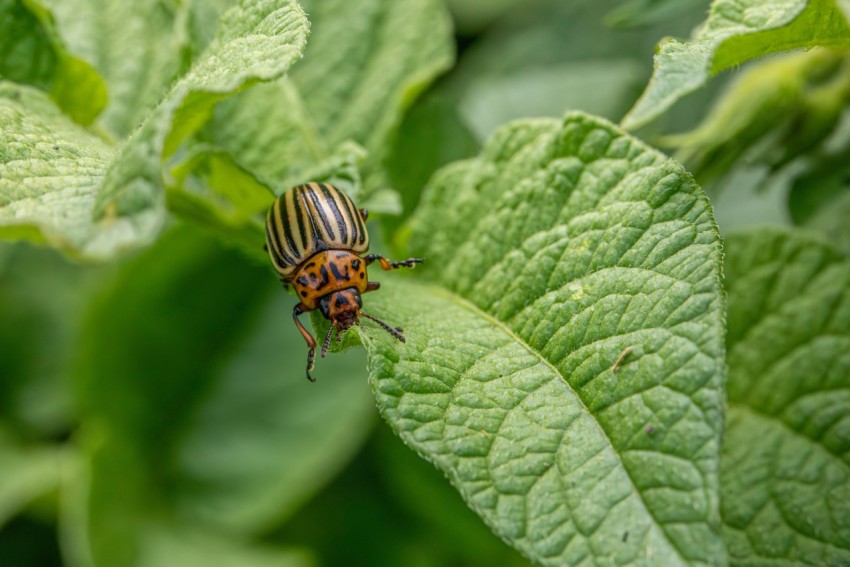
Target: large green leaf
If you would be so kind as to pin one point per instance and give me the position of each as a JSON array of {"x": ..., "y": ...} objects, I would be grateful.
[
  {"x": 136, "y": 46},
  {"x": 365, "y": 63},
  {"x": 785, "y": 469},
  {"x": 112, "y": 199},
  {"x": 564, "y": 248},
  {"x": 735, "y": 32}
]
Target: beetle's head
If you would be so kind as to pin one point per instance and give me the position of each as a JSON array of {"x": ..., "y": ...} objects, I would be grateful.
[{"x": 341, "y": 307}]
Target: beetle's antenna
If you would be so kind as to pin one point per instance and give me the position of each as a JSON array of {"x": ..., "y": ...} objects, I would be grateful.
[
  {"x": 326, "y": 345},
  {"x": 394, "y": 332}
]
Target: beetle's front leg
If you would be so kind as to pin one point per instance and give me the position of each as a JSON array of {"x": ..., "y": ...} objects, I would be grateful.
[
  {"x": 311, "y": 342},
  {"x": 387, "y": 265}
]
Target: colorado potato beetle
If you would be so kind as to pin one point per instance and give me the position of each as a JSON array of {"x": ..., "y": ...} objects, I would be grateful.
[{"x": 317, "y": 241}]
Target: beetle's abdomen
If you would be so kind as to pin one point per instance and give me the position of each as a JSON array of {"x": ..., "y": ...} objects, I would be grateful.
[
  {"x": 327, "y": 272},
  {"x": 308, "y": 219}
]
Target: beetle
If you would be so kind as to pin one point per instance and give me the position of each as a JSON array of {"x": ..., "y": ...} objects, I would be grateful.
[{"x": 317, "y": 241}]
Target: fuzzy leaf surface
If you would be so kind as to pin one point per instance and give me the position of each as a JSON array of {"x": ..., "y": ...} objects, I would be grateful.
[
  {"x": 32, "y": 53},
  {"x": 736, "y": 31},
  {"x": 785, "y": 469},
  {"x": 560, "y": 247},
  {"x": 136, "y": 46},
  {"x": 365, "y": 63},
  {"x": 119, "y": 201}
]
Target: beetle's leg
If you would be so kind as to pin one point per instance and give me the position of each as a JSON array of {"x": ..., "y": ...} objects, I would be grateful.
[
  {"x": 372, "y": 286},
  {"x": 364, "y": 214},
  {"x": 327, "y": 344},
  {"x": 311, "y": 342},
  {"x": 396, "y": 332},
  {"x": 387, "y": 265}
]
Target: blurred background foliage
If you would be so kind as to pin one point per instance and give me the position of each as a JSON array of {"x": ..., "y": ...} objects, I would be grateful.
[{"x": 153, "y": 411}]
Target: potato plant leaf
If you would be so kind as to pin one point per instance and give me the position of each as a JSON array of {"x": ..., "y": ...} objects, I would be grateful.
[
  {"x": 32, "y": 53},
  {"x": 776, "y": 112},
  {"x": 785, "y": 473},
  {"x": 564, "y": 360},
  {"x": 112, "y": 198},
  {"x": 736, "y": 31},
  {"x": 365, "y": 63}
]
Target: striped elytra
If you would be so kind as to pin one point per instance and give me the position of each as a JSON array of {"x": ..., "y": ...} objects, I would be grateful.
[
  {"x": 308, "y": 217},
  {"x": 316, "y": 238}
]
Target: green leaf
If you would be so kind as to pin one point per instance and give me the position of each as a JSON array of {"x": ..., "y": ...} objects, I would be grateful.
[
  {"x": 42, "y": 297},
  {"x": 50, "y": 170},
  {"x": 195, "y": 406},
  {"x": 735, "y": 32},
  {"x": 105, "y": 202},
  {"x": 429, "y": 499},
  {"x": 148, "y": 350},
  {"x": 785, "y": 474},
  {"x": 776, "y": 112},
  {"x": 210, "y": 189},
  {"x": 263, "y": 441},
  {"x": 31, "y": 53},
  {"x": 136, "y": 46},
  {"x": 563, "y": 248},
  {"x": 365, "y": 63}
]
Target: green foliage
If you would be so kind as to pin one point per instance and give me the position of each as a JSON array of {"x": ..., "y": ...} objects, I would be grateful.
[
  {"x": 774, "y": 114},
  {"x": 350, "y": 87},
  {"x": 115, "y": 196},
  {"x": 735, "y": 32},
  {"x": 785, "y": 472},
  {"x": 567, "y": 339},
  {"x": 519, "y": 408}
]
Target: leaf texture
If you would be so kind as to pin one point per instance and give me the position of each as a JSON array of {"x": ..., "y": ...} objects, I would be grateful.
[
  {"x": 736, "y": 31},
  {"x": 117, "y": 195},
  {"x": 563, "y": 248},
  {"x": 785, "y": 468}
]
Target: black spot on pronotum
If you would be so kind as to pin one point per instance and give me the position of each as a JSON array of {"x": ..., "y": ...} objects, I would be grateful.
[
  {"x": 302, "y": 280},
  {"x": 355, "y": 263},
  {"x": 303, "y": 294},
  {"x": 323, "y": 271},
  {"x": 337, "y": 274}
]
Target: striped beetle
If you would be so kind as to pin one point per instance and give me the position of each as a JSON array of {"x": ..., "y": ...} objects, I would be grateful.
[{"x": 316, "y": 237}]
